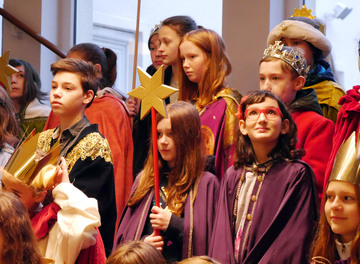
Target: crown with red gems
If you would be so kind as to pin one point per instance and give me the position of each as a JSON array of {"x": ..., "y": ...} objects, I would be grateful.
[{"x": 291, "y": 56}]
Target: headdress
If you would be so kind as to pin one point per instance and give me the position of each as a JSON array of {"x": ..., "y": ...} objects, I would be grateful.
[
  {"x": 346, "y": 165},
  {"x": 302, "y": 25},
  {"x": 154, "y": 31},
  {"x": 26, "y": 166},
  {"x": 291, "y": 56}
]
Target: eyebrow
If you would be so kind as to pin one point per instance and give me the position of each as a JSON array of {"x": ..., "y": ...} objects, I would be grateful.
[{"x": 15, "y": 191}]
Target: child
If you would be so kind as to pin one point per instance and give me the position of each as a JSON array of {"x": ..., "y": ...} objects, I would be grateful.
[
  {"x": 282, "y": 71},
  {"x": 64, "y": 227},
  {"x": 337, "y": 239},
  {"x": 268, "y": 203},
  {"x": 305, "y": 33},
  {"x": 136, "y": 252},
  {"x": 8, "y": 128},
  {"x": 205, "y": 67},
  {"x": 86, "y": 151},
  {"x": 26, "y": 97},
  {"x": 114, "y": 122},
  {"x": 188, "y": 193},
  {"x": 18, "y": 242},
  {"x": 153, "y": 45}
]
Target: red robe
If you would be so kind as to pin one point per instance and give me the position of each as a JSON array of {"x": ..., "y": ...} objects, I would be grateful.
[
  {"x": 347, "y": 122},
  {"x": 315, "y": 135},
  {"x": 114, "y": 121}
]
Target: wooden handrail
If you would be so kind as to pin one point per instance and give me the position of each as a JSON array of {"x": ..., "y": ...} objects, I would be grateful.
[{"x": 31, "y": 32}]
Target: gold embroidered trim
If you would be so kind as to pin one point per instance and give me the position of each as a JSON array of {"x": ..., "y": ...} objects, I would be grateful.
[
  {"x": 91, "y": 146},
  {"x": 44, "y": 140}
]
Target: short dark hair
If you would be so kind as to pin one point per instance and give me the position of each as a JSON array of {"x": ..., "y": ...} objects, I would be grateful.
[
  {"x": 89, "y": 74},
  {"x": 32, "y": 83},
  {"x": 285, "y": 148},
  {"x": 181, "y": 24}
]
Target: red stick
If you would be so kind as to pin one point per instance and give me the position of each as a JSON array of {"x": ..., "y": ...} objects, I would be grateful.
[{"x": 156, "y": 158}]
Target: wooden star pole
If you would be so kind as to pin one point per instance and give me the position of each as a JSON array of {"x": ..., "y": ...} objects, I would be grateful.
[{"x": 152, "y": 93}]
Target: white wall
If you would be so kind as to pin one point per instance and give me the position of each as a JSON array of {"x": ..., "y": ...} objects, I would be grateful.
[{"x": 344, "y": 36}]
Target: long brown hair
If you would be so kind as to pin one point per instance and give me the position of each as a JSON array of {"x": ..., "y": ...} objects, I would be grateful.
[
  {"x": 19, "y": 245},
  {"x": 8, "y": 124},
  {"x": 190, "y": 161},
  {"x": 286, "y": 145},
  {"x": 324, "y": 242},
  {"x": 217, "y": 68}
]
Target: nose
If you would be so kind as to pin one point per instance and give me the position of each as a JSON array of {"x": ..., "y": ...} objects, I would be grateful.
[
  {"x": 55, "y": 92},
  {"x": 13, "y": 78},
  {"x": 336, "y": 204},
  {"x": 262, "y": 117},
  {"x": 157, "y": 52},
  {"x": 266, "y": 85},
  {"x": 161, "y": 48},
  {"x": 185, "y": 64}
]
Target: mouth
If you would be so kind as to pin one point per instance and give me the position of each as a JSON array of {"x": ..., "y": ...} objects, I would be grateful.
[
  {"x": 54, "y": 103},
  {"x": 158, "y": 62},
  {"x": 337, "y": 218}
]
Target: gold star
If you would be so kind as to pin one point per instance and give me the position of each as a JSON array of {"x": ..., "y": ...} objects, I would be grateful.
[
  {"x": 152, "y": 92},
  {"x": 6, "y": 70},
  {"x": 303, "y": 12}
]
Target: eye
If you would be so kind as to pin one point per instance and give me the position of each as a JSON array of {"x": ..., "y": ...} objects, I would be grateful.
[
  {"x": 329, "y": 197},
  {"x": 275, "y": 78},
  {"x": 21, "y": 75},
  {"x": 253, "y": 112},
  {"x": 262, "y": 79},
  {"x": 348, "y": 198},
  {"x": 272, "y": 112}
]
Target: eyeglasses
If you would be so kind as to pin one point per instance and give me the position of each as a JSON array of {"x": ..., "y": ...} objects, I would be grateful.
[{"x": 270, "y": 113}]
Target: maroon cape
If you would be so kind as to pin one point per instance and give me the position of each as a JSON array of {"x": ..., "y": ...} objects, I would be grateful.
[
  {"x": 133, "y": 221},
  {"x": 281, "y": 226},
  {"x": 348, "y": 121}
]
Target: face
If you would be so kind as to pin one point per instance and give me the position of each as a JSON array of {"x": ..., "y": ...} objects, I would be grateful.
[
  {"x": 166, "y": 144},
  {"x": 264, "y": 129},
  {"x": 169, "y": 46},
  {"x": 25, "y": 194},
  {"x": 342, "y": 209},
  {"x": 155, "y": 54},
  {"x": 193, "y": 61},
  {"x": 302, "y": 44},
  {"x": 67, "y": 98},
  {"x": 274, "y": 79},
  {"x": 17, "y": 83}
]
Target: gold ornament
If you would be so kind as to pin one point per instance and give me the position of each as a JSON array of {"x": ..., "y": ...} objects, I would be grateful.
[
  {"x": 152, "y": 92},
  {"x": 303, "y": 12},
  {"x": 6, "y": 70},
  {"x": 346, "y": 163}
]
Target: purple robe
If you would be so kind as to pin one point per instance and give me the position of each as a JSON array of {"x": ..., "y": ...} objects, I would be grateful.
[
  {"x": 134, "y": 218},
  {"x": 286, "y": 211},
  {"x": 218, "y": 129}
]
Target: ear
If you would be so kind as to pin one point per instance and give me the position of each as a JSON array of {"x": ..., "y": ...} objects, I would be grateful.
[
  {"x": 39, "y": 197},
  {"x": 97, "y": 65},
  {"x": 88, "y": 96},
  {"x": 242, "y": 127},
  {"x": 285, "y": 126},
  {"x": 299, "y": 83}
]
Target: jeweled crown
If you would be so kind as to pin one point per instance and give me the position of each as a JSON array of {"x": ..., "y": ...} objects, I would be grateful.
[
  {"x": 347, "y": 164},
  {"x": 291, "y": 56}
]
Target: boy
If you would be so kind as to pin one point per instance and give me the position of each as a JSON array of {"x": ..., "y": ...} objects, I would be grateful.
[
  {"x": 85, "y": 150},
  {"x": 283, "y": 71},
  {"x": 305, "y": 33}
]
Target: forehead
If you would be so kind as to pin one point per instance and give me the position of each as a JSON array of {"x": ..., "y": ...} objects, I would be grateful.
[
  {"x": 272, "y": 67},
  {"x": 164, "y": 123},
  {"x": 339, "y": 186},
  {"x": 268, "y": 102},
  {"x": 68, "y": 77},
  {"x": 20, "y": 68},
  {"x": 167, "y": 32},
  {"x": 11, "y": 183}
]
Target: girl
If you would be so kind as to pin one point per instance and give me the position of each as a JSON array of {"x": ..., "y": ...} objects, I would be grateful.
[
  {"x": 18, "y": 242},
  {"x": 136, "y": 252},
  {"x": 8, "y": 128},
  {"x": 188, "y": 194},
  {"x": 171, "y": 31},
  {"x": 337, "y": 239},
  {"x": 27, "y": 99},
  {"x": 205, "y": 67},
  {"x": 267, "y": 206}
]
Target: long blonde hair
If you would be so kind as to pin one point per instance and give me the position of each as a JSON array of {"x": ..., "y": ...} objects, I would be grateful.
[
  {"x": 217, "y": 68},
  {"x": 190, "y": 161}
]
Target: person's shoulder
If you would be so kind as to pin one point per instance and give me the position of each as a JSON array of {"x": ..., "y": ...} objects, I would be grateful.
[
  {"x": 109, "y": 102},
  {"x": 295, "y": 167}
]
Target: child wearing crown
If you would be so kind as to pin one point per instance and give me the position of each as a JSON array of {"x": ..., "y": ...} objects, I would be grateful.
[
  {"x": 283, "y": 71},
  {"x": 302, "y": 30},
  {"x": 268, "y": 202},
  {"x": 338, "y": 235},
  {"x": 85, "y": 150},
  {"x": 67, "y": 225}
]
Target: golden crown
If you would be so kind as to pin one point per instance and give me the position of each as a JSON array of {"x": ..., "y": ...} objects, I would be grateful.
[
  {"x": 347, "y": 164},
  {"x": 294, "y": 57},
  {"x": 25, "y": 164}
]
